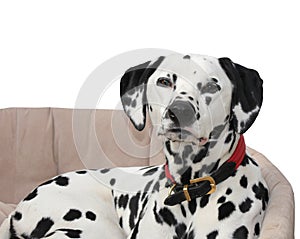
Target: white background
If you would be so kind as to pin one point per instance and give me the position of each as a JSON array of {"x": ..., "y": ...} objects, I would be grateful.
[{"x": 48, "y": 49}]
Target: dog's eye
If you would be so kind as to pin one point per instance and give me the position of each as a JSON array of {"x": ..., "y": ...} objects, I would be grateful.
[{"x": 164, "y": 82}]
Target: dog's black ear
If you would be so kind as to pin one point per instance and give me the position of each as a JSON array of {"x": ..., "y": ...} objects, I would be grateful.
[
  {"x": 247, "y": 95},
  {"x": 133, "y": 88}
]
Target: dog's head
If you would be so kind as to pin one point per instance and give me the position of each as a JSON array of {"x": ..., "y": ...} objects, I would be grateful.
[{"x": 190, "y": 96}]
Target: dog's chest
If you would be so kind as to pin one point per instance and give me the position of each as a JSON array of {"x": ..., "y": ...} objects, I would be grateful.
[{"x": 236, "y": 208}]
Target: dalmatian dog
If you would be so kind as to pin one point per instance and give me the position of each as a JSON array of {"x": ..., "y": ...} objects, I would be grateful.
[{"x": 209, "y": 186}]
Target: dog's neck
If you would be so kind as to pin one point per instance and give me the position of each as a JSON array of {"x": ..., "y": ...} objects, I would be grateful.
[{"x": 187, "y": 161}]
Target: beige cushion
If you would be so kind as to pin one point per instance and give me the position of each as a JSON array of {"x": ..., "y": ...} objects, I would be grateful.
[
  {"x": 37, "y": 144},
  {"x": 280, "y": 215}
]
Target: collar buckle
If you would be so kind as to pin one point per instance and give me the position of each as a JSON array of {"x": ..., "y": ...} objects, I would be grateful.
[
  {"x": 213, "y": 184},
  {"x": 210, "y": 179}
]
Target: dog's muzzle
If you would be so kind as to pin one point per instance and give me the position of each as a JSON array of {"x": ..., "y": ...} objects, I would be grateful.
[{"x": 179, "y": 123}]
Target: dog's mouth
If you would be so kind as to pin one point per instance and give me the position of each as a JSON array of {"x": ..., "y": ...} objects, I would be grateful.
[{"x": 183, "y": 135}]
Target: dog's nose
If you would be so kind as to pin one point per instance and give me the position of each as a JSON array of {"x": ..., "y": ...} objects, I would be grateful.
[{"x": 182, "y": 113}]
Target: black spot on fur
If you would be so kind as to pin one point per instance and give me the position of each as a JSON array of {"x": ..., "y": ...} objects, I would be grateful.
[
  {"x": 198, "y": 116},
  {"x": 248, "y": 160},
  {"x": 61, "y": 181},
  {"x": 72, "y": 215},
  {"x": 174, "y": 78},
  {"x": 232, "y": 143},
  {"x": 123, "y": 200},
  {"x": 261, "y": 193},
  {"x": 244, "y": 181},
  {"x": 210, "y": 88},
  {"x": 134, "y": 207},
  {"x": 81, "y": 172},
  {"x": 90, "y": 215},
  {"x": 191, "y": 98},
  {"x": 202, "y": 153},
  {"x": 253, "y": 162},
  {"x": 212, "y": 235},
  {"x": 133, "y": 103},
  {"x": 162, "y": 175},
  {"x": 156, "y": 187},
  {"x": 121, "y": 222},
  {"x": 228, "y": 138},
  {"x": 167, "y": 216},
  {"x": 31, "y": 195},
  {"x": 245, "y": 161},
  {"x": 115, "y": 201},
  {"x": 257, "y": 229},
  {"x": 192, "y": 206},
  {"x": 183, "y": 210},
  {"x": 241, "y": 233},
  {"x": 188, "y": 57},
  {"x": 112, "y": 181},
  {"x": 72, "y": 233},
  {"x": 177, "y": 159},
  {"x": 187, "y": 151},
  {"x": 146, "y": 167},
  {"x": 222, "y": 199},
  {"x": 199, "y": 86},
  {"x": 17, "y": 216},
  {"x": 228, "y": 191},
  {"x": 105, "y": 170},
  {"x": 150, "y": 171},
  {"x": 42, "y": 227},
  {"x": 157, "y": 217},
  {"x": 225, "y": 210},
  {"x": 180, "y": 230},
  {"x": 12, "y": 230},
  {"x": 207, "y": 100},
  {"x": 204, "y": 201},
  {"x": 217, "y": 131},
  {"x": 245, "y": 206},
  {"x": 168, "y": 147}
]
